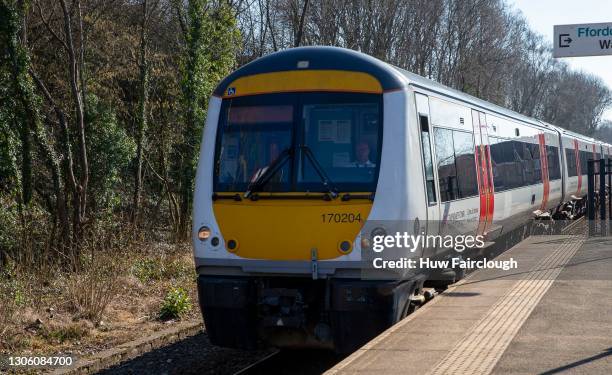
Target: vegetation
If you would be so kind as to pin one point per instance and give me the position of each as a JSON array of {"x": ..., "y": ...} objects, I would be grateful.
[
  {"x": 102, "y": 105},
  {"x": 175, "y": 305}
]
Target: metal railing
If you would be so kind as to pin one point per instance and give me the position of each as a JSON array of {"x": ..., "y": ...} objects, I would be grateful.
[{"x": 598, "y": 193}]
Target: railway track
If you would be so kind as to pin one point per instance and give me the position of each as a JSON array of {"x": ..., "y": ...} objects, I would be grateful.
[
  {"x": 255, "y": 365},
  {"x": 293, "y": 362}
]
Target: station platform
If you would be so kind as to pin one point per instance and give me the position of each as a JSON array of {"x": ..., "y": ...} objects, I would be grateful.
[{"x": 552, "y": 314}]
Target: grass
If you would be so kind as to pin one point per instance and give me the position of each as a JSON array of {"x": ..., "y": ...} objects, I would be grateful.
[
  {"x": 153, "y": 269},
  {"x": 112, "y": 298},
  {"x": 62, "y": 334}
]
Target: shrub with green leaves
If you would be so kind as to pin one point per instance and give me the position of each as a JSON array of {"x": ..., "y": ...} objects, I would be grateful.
[
  {"x": 11, "y": 287},
  {"x": 148, "y": 269},
  {"x": 151, "y": 269},
  {"x": 175, "y": 305}
]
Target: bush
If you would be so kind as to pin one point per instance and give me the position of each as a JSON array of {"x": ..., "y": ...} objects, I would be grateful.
[
  {"x": 175, "y": 305},
  {"x": 148, "y": 269},
  {"x": 113, "y": 149},
  {"x": 153, "y": 269},
  {"x": 91, "y": 289}
]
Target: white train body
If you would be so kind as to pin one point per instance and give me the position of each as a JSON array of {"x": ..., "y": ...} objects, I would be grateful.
[{"x": 441, "y": 155}]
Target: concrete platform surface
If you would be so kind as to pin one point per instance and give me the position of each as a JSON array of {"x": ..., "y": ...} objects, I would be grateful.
[{"x": 551, "y": 315}]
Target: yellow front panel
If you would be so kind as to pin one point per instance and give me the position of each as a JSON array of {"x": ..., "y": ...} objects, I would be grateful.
[
  {"x": 289, "y": 229},
  {"x": 304, "y": 80}
]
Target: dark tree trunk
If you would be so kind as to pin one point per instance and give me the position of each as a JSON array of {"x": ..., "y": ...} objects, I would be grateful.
[
  {"x": 142, "y": 114},
  {"x": 80, "y": 194}
]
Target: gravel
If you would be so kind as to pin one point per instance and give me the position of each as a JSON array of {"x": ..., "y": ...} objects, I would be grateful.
[{"x": 193, "y": 355}]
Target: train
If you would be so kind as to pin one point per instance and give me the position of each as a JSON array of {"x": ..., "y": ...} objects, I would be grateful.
[{"x": 303, "y": 148}]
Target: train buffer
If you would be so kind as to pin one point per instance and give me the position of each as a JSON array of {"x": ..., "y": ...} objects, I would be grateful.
[{"x": 552, "y": 314}]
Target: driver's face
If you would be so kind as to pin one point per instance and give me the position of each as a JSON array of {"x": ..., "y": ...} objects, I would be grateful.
[{"x": 362, "y": 152}]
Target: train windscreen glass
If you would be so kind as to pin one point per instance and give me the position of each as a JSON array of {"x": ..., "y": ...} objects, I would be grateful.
[
  {"x": 253, "y": 137},
  {"x": 344, "y": 139},
  {"x": 299, "y": 142}
]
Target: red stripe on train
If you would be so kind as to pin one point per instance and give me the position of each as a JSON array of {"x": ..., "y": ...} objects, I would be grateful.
[
  {"x": 481, "y": 190},
  {"x": 491, "y": 190},
  {"x": 544, "y": 171},
  {"x": 578, "y": 167}
]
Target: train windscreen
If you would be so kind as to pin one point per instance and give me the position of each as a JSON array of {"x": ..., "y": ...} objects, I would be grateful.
[{"x": 300, "y": 142}]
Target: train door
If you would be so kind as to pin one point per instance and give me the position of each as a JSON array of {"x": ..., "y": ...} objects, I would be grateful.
[
  {"x": 484, "y": 171},
  {"x": 432, "y": 194}
]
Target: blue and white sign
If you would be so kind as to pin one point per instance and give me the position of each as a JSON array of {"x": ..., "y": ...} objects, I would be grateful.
[{"x": 593, "y": 39}]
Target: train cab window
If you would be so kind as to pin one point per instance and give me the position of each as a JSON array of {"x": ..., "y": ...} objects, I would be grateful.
[
  {"x": 427, "y": 160},
  {"x": 299, "y": 142},
  {"x": 254, "y": 135},
  {"x": 455, "y": 152},
  {"x": 342, "y": 138}
]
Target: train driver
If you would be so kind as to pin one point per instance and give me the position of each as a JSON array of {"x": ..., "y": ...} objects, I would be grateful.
[{"x": 362, "y": 155}]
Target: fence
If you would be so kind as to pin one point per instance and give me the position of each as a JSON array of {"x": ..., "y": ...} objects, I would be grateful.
[{"x": 599, "y": 172}]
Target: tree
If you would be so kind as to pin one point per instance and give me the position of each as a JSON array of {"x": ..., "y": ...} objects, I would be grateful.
[
  {"x": 142, "y": 110},
  {"x": 12, "y": 14},
  {"x": 211, "y": 41}
]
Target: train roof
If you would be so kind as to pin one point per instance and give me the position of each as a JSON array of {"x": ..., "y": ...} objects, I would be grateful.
[
  {"x": 418, "y": 81},
  {"x": 318, "y": 58},
  {"x": 390, "y": 77},
  {"x": 572, "y": 134}
]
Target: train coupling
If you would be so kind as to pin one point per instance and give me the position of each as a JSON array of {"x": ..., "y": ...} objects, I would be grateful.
[{"x": 281, "y": 307}]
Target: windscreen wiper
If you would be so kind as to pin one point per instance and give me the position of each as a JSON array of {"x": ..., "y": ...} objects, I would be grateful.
[
  {"x": 271, "y": 170},
  {"x": 327, "y": 184}
]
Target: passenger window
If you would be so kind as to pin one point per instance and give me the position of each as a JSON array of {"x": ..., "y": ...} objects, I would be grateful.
[
  {"x": 570, "y": 159},
  {"x": 447, "y": 172},
  {"x": 427, "y": 160},
  {"x": 466, "y": 164},
  {"x": 517, "y": 164},
  {"x": 455, "y": 152},
  {"x": 584, "y": 159},
  {"x": 554, "y": 169}
]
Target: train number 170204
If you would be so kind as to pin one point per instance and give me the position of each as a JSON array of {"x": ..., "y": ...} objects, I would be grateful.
[{"x": 341, "y": 218}]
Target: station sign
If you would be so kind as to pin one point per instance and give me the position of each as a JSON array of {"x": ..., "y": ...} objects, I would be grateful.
[{"x": 591, "y": 39}]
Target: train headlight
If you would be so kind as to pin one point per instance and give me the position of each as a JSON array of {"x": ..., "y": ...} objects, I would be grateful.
[
  {"x": 365, "y": 243},
  {"x": 203, "y": 233}
]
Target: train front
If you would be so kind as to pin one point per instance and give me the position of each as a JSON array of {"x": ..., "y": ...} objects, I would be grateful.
[{"x": 287, "y": 177}]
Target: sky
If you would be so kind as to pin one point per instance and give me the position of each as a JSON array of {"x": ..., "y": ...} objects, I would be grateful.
[{"x": 542, "y": 15}]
